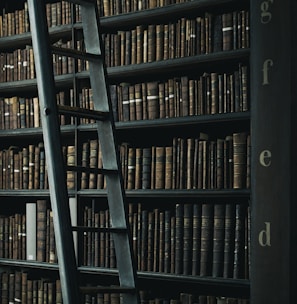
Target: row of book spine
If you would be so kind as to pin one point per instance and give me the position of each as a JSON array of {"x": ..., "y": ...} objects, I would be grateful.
[
  {"x": 22, "y": 287},
  {"x": 210, "y": 93},
  {"x": 189, "y": 163},
  {"x": 23, "y": 112},
  {"x": 59, "y": 13},
  {"x": 199, "y": 239},
  {"x": 116, "y": 7},
  {"x": 185, "y": 37},
  {"x": 191, "y": 239},
  {"x": 19, "y": 64}
]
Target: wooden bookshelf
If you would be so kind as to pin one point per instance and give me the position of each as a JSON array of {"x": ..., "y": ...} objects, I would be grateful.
[{"x": 230, "y": 120}]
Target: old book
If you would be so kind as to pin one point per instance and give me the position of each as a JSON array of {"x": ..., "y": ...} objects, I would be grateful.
[
  {"x": 228, "y": 259},
  {"x": 125, "y": 102},
  {"x": 196, "y": 238},
  {"x": 85, "y": 163},
  {"x": 132, "y": 104},
  {"x": 156, "y": 243},
  {"x": 160, "y": 168},
  {"x": 152, "y": 100},
  {"x": 159, "y": 41},
  {"x": 218, "y": 240},
  {"x": 167, "y": 244},
  {"x": 146, "y": 168},
  {"x": 31, "y": 166},
  {"x": 144, "y": 240},
  {"x": 190, "y": 163},
  {"x": 41, "y": 215},
  {"x": 206, "y": 248},
  {"x": 228, "y": 162},
  {"x": 179, "y": 226},
  {"x": 70, "y": 162},
  {"x": 150, "y": 241},
  {"x": 138, "y": 102},
  {"x": 239, "y": 160},
  {"x": 153, "y": 168},
  {"x": 131, "y": 167},
  {"x": 239, "y": 241},
  {"x": 227, "y": 29},
  {"x": 36, "y": 167},
  {"x": 139, "y": 44},
  {"x": 151, "y": 43},
  {"x": 187, "y": 238},
  {"x": 168, "y": 167},
  {"x": 138, "y": 168},
  {"x": 93, "y": 162}
]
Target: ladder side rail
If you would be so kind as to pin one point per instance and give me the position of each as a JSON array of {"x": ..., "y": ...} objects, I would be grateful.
[
  {"x": 54, "y": 157},
  {"x": 110, "y": 157}
]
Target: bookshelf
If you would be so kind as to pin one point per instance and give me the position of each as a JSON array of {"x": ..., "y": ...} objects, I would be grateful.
[{"x": 183, "y": 102}]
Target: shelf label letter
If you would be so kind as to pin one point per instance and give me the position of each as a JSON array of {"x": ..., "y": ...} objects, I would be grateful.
[
  {"x": 264, "y": 236},
  {"x": 266, "y": 16},
  {"x": 265, "y": 158},
  {"x": 266, "y": 64}
]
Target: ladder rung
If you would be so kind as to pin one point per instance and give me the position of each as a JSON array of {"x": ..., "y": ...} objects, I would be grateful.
[
  {"x": 99, "y": 229},
  {"x": 84, "y": 113},
  {"x": 91, "y": 170},
  {"x": 75, "y": 53},
  {"x": 106, "y": 289}
]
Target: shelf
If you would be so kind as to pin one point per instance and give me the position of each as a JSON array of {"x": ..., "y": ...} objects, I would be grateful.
[
  {"x": 141, "y": 193},
  {"x": 169, "y": 12},
  {"x": 133, "y": 71},
  {"x": 217, "y": 286}
]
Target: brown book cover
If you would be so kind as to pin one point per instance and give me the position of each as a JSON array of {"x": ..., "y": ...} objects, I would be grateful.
[
  {"x": 31, "y": 166},
  {"x": 190, "y": 163},
  {"x": 70, "y": 162},
  {"x": 151, "y": 43},
  {"x": 153, "y": 100},
  {"x": 93, "y": 162},
  {"x": 159, "y": 42},
  {"x": 138, "y": 102},
  {"x": 85, "y": 163},
  {"x": 160, "y": 168},
  {"x": 41, "y": 214},
  {"x": 168, "y": 167},
  {"x": 138, "y": 168},
  {"x": 131, "y": 168},
  {"x": 239, "y": 160},
  {"x": 227, "y": 29}
]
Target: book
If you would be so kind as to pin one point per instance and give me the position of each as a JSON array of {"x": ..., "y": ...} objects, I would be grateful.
[
  {"x": 218, "y": 240},
  {"x": 41, "y": 228}
]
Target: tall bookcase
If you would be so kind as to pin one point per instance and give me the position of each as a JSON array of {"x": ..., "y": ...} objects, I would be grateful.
[{"x": 186, "y": 82}]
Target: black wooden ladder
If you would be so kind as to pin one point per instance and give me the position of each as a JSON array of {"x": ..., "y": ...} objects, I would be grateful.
[{"x": 43, "y": 50}]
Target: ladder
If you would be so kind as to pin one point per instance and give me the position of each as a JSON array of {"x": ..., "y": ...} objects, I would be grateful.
[{"x": 50, "y": 110}]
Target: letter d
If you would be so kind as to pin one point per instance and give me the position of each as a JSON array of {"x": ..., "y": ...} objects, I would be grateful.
[{"x": 264, "y": 236}]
